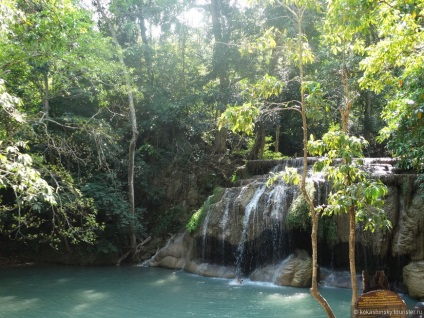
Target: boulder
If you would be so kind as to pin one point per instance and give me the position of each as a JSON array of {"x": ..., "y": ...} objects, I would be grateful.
[
  {"x": 296, "y": 271},
  {"x": 413, "y": 277},
  {"x": 176, "y": 254}
]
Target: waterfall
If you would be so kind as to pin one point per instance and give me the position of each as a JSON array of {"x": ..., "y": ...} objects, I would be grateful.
[
  {"x": 205, "y": 231},
  {"x": 251, "y": 207},
  {"x": 277, "y": 205},
  {"x": 245, "y": 229},
  {"x": 277, "y": 200},
  {"x": 224, "y": 220}
]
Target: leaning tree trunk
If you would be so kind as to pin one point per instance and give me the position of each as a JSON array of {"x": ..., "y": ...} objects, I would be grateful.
[
  {"x": 345, "y": 112},
  {"x": 314, "y": 214},
  {"x": 352, "y": 257},
  {"x": 134, "y": 132}
]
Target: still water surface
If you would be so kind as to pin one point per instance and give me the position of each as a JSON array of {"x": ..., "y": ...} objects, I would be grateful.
[{"x": 63, "y": 291}]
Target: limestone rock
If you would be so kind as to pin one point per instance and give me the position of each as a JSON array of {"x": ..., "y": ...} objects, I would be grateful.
[
  {"x": 413, "y": 277},
  {"x": 379, "y": 241},
  {"x": 342, "y": 223},
  {"x": 176, "y": 254},
  {"x": 210, "y": 270},
  {"x": 409, "y": 235},
  {"x": 296, "y": 271}
]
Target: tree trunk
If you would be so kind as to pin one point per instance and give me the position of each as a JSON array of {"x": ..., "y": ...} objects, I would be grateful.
[
  {"x": 314, "y": 215},
  {"x": 220, "y": 142},
  {"x": 367, "y": 116},
  {"x": 46, "y": 93},
  {"x": 314, "y": 288},
  {"x": 257, "y": 151},
  {"x": 344, "y": 112},
  {"x": 347, "y": 105},
  {"x": 134, "y": 132},
  {"x": 220, "y": 65},
  {"x": 352, "y": 256},
  {"x": 277, "y": 139},
  {"x": 147, "y": 49}
]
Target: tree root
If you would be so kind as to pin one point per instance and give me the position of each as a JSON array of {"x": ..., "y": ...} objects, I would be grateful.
[{"x": 136, "y": 252}]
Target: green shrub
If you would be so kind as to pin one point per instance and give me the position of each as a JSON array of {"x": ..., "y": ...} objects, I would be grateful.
[
  {"x": 327, "y": 231},
  {"x": 198, "y": 216},
  {"x": 268, "y": 153},
  {"x": 169, "y": 221},
  {"x": 298, "y": 217}
]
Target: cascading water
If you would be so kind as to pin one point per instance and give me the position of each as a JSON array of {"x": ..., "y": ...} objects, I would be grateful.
[
  {"x": 245, "y": 230},
  {"x": 205, "y": 231},
  {"x": 229, "y": 197},
  {"x": 251, "y": 207},
  {"x": 277, "y": 204},
  {"x": 246, "y": 224}
]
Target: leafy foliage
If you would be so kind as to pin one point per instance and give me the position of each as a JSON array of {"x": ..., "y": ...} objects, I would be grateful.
[
  {"x": 113, "y": 211},
  {"x": 197, "y": 218},
  {"x": 392, "y": 65},
  {"x": 351, "y": 186},
  {"x": 63, "y": 107},
  {"x": 239, "y": 118},
  {"x": 289, "y": 175},
  {"x": 38, "y": 210},
  {"x": 18, "y": 174},
  {"x": 327, "y": 231},
  {"x": 298, "y": 216}
]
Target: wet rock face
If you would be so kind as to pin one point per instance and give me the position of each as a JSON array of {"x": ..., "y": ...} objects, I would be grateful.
[
  {"x": 294, "y": 271},
  {"x": 176, "y": 254},
  {"x": 413, "y": 277},
  {"x": 245, "y": 230},
  {"x": 408, "y": 237},
  {"x": 246, "y": 226}
]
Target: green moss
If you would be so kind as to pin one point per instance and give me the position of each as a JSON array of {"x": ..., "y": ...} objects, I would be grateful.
[
  {"x": 298, "y": 217},
  {"x": 327, "y": 231},
  {"x": 198, "y": 216}
]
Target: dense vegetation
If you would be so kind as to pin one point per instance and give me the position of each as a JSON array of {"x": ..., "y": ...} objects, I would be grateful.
[{"x": 109, "y": 111}]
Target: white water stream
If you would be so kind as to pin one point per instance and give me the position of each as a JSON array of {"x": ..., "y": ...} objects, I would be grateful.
[{"x": 251, "y": 207}]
